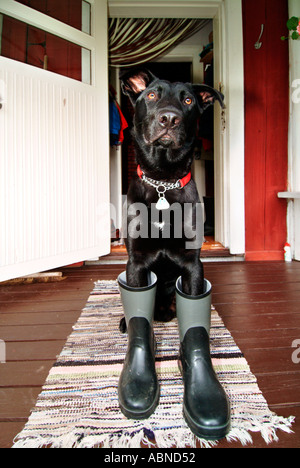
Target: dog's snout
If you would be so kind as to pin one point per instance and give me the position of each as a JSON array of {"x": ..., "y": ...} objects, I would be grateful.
[{"x": 169, "y": 119}]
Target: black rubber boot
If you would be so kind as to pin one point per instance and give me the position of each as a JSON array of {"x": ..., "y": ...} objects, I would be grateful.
[
  {"x": 206, "y": 407},
  {"x": 138, "y": 385}
]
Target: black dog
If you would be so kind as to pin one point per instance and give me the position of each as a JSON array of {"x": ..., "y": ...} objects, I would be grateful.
[{"x": 167, "y": 237}]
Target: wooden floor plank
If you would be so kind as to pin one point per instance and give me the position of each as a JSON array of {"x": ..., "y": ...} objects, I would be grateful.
[
  {"x": 260, "y": 308},
  {"x": 14, "y": 402},
  {"x": 35, "y": 332},
  {"x": 50, "y": 306},
  {"x": 275, "y": 360},
  {"x": 280, "y": 389},
  {"x": 40, "y": 318},
  {"x": 41, "y": 350},
  {"x": 25, "y": 374},
  {"x": 8, "y": 431},
  {"x": 262, "y": 339}
]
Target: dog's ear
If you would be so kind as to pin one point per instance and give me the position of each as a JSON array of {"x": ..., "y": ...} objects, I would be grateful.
[
  {"x": 133, "y": 83},
  {"x": 207, "y": 96}
]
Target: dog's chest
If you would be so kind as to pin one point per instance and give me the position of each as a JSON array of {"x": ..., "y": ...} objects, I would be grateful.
[
  {"x": 165, "y": 223},
  {"x": 159, "y": 225}
]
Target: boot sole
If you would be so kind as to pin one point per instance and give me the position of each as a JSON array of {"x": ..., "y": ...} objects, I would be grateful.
[
  {"x": 207, "y": 433},
  {"x": 144, "y": 414}
]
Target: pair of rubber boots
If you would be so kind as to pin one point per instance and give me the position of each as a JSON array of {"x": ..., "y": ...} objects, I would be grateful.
[{"x": 205, "y": 407}]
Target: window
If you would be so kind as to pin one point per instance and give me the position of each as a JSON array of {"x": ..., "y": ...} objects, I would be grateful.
[
  {"x": 76, "y": 13},
  {"x": 22, "y": 42}
]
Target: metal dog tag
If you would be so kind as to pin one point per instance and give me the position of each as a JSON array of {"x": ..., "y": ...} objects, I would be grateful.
[{"x": 162, "y": 204}]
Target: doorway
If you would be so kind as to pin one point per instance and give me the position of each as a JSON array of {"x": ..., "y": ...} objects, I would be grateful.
[
  {"x": 226, "y": 16},
  {"x": 192, "y": 61}
]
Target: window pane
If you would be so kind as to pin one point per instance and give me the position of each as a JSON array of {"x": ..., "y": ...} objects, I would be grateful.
[
  {"x": 76, "y": 13},
  {"x": 25, "y": 43}
]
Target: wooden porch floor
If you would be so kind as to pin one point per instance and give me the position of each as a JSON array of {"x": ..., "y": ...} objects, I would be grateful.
[{"x": 259, "y": 303}]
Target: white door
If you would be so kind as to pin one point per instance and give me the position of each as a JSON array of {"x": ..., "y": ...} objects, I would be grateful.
[{"x": 54, "y": 154}]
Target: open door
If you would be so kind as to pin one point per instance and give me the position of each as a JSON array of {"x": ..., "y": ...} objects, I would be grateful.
[{"x": 54, "y": 165}]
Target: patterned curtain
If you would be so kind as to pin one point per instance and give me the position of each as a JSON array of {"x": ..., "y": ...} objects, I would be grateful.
[{"x": 136, "y": 41}]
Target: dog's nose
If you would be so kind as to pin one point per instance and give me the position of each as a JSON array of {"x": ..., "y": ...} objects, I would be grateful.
[{"x": 169, "y": 119}]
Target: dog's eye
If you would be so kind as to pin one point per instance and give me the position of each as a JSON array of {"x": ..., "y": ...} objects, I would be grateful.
[
  {"x": 188, "y": 101},
  {"x": 151, "y": 95}
]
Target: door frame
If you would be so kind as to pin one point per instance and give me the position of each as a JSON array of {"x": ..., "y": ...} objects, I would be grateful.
[
  {"x": 229, "y": 125},
  {"x": 293, "y": 193}
]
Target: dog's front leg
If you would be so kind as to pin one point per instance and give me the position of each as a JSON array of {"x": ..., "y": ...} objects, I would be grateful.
[
  {"x": 137, "y": 274},
  {"x": 193, "y": 278}
]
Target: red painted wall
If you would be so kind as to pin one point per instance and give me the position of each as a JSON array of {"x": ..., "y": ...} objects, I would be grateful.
[{"x": 266, "y": 127}]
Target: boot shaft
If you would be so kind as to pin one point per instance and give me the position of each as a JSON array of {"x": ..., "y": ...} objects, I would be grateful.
[
  {"x": 138, "y": 302},
  {"x": 193, "y": 311}
]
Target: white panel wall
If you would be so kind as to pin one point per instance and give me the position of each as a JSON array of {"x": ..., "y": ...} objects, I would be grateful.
[{"x": 54, "y": 172}]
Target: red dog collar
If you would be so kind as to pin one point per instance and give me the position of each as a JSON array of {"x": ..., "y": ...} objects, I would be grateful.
[
  {"x": 161, "y": 187},
  {"x": 180, "y": 183}
]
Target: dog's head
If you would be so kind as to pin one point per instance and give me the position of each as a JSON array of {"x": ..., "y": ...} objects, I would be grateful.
[{"x": 166, "y": 114}]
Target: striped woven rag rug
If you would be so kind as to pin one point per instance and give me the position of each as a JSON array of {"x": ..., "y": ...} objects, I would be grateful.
[{"x": 78, "y": 405}]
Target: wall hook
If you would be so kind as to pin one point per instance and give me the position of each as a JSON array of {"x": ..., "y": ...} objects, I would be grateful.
[{"x": 258, "y": 44}]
